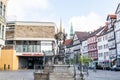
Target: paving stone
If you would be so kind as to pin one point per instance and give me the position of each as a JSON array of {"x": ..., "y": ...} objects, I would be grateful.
[{"x": 61, "y": 76}]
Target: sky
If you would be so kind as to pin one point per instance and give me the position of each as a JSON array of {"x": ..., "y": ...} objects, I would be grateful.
[{"x": 85, "y": 15}]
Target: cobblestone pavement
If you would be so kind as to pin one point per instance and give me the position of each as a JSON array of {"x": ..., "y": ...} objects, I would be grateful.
[
  {"x": 61, "y": 76},
  {"x": 28, "y": 75},
  {"x": 103, "y": 75},
  {"x": 98, "y": 75},
  {"x": 17, "y": 75}
]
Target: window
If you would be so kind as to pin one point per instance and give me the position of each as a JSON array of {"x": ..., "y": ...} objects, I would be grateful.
[
  {"x": 0, "y": 31},
  {"x": 112, "y": 44},
  {"x": 100, "y": 54},
  {"x": 46, "y": 46},
  {"x": 105, "y": 46},
  {"x": 111, "y": 35},
  {"x": 24, "y": 46},
  {"x": 4, "y": 10},
  {"x": 99, "y": 47},
  {"x": 118, "y": 16},
  {"x": 118, "y": 36},
  {"x": 3, "y": 32},
  {"x": 9, "y": 42},
  {"x": 118, "y": 49},
  {"x": 0, "y": 8},
  {"x": 99, "y": 39},
  {"x": 113, "y": 52},
  {"x": 117, "y": 25}
]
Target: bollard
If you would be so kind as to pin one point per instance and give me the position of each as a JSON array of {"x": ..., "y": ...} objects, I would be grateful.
[{"x": 94, "y": 69}]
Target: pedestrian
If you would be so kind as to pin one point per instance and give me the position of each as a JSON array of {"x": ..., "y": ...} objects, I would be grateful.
[{"x": 87, "y": 71}]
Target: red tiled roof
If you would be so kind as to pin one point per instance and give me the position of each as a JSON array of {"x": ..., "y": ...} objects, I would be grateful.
[
  {"x": 112, "y": 16},
  {"x": 68, "y": 41}
]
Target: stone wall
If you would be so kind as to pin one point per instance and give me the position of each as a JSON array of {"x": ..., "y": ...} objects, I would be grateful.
[
  {"x": 9, "y": 34},
  {"x": 28, "y": 31}
]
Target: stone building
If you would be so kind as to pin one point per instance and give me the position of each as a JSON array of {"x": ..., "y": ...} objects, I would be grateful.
[
  {"x": 111, "y": 18},
  {"x": 117, "y": 33},
  {"x": 3, "y": 4},
  {"x": 92, "y": 46}
]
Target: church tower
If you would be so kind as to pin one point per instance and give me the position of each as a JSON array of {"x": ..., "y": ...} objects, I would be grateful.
[
  {"x": 71, "y": 31},
  {"x": 60, "y": 29}
]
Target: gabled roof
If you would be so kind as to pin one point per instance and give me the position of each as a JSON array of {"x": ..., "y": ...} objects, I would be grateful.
[
  {"x": 111, "y": 16},
  {"x": 68, "y": 41},
  {"x": 95, "y": 32},
  {"x": 104, "y": 31},
  {"x": 117, "y": 8},
  {"x": 82, "y": 35}
]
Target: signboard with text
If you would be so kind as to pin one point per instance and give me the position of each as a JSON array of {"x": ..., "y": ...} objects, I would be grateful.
[{"x": 29, "y": 54}]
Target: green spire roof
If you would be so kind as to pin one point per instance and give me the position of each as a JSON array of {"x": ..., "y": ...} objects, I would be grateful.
[{"x": 71, "y": 31}]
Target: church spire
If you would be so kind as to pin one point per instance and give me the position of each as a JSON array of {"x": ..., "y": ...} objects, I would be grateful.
[
  {"x": 60, "y": 26},
  {"x": 71, "y": 31}
]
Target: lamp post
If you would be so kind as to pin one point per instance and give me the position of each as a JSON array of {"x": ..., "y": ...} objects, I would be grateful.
[
  {"x": 74, "y": 66},
  {"x": 44, "y": 58},
  {"x": 81, "y": 74}
]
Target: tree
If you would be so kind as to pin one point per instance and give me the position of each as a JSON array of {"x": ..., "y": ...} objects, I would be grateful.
[{"x": 84, "y": 59}]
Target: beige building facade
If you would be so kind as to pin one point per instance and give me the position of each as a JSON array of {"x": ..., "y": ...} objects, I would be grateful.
[
  {"x": 3, "y": 4},
  {"x": 28, "y": 42}
]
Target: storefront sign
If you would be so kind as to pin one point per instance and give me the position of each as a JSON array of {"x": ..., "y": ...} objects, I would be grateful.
[{"x": 31, "y": 54}]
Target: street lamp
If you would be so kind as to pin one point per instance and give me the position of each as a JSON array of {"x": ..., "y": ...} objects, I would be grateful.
[
  {"x": 74, "y": 66},
  {"x": 44, "y": 58},
  {"x": 81, "y": 74}
]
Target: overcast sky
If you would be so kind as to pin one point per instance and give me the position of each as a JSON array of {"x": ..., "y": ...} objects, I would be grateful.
[{"x": 85, "y": 15}]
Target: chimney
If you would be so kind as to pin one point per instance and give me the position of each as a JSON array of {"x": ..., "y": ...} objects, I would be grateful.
[{"x": 106, "y": 25}]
